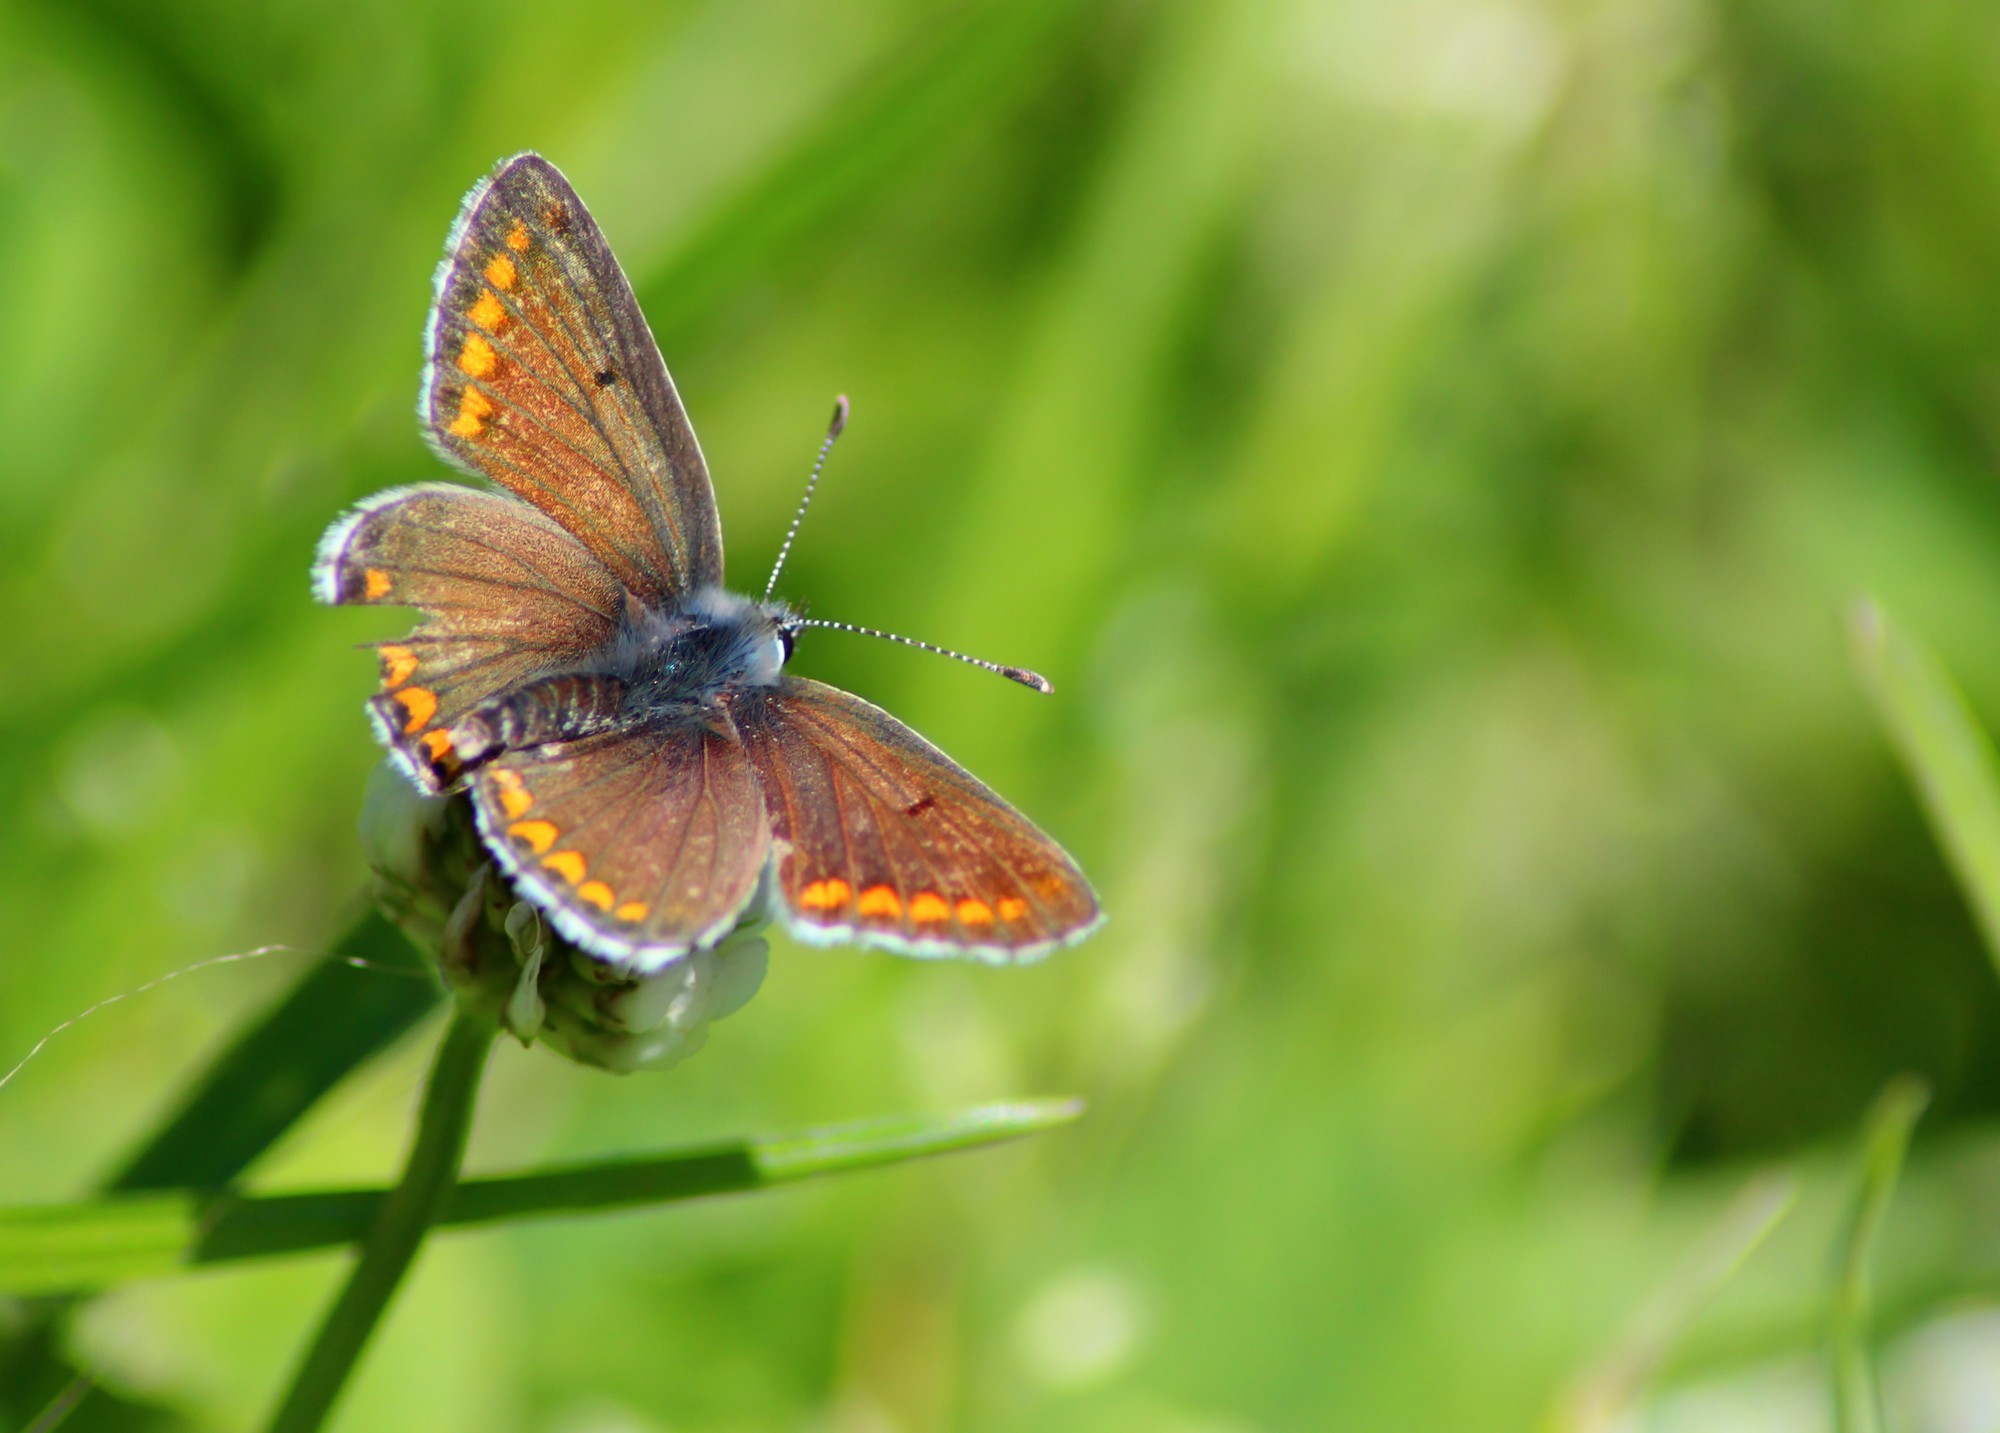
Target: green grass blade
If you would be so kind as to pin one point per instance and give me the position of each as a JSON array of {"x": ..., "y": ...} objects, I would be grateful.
[
  {"x": 63, "y": 1248},
  {"x": 1602, "y": 1399},
  {"x": 1944, "y": 750},
  {"x": 1857, "y": 1403},
  {"x": 73, "y": 1248},
  {"x": 334, "y": 1019}
]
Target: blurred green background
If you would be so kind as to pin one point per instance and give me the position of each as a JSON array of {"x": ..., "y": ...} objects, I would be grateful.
[{"x": 1431, "y": 446}]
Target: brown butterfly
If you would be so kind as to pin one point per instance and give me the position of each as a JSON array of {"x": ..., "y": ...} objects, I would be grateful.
[{"x": 639, "y": 760}]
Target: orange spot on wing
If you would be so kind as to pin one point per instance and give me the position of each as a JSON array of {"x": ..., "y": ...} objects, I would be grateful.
[
  {"x": 879, "y": 901},
  {"x": 420, "y": 704},
  {"x": 514, "y": 798},
  {"x": 397, "y": 664},
  {"x": 929, "y": 906},
  {"x": 632, "y": 911},
  {"x": 477, "y": 357},
  {"x": 972, "y": 912},
  {"x": 488, "y": 312},
  {"x": 828, "y": 895},
  {"x": 567, "y": 864},
  {"x": 375, "y": 583},
  {"x": 1012, "y": 908},
  {"x": 442, "y": 754},
  {"x": 597, "y": 893},
  {"x": 474, "y": 408},
  {"x": 539, "y": 835},
  {"x": 517, "y": 237},
  {"x": 1051, "y": 885},
  {"x": 500, "y": 272}
]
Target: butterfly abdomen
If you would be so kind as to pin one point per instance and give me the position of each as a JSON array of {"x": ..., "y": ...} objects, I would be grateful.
[{"x": 566, "y": 707}]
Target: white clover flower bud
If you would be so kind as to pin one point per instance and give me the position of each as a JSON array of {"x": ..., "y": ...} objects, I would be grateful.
[
  {"x": 403, "y": 834},
  {"x": 656, "y": 1020}
]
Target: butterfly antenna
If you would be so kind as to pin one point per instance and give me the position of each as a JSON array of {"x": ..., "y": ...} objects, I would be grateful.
[
  {"x": 1013, "y": 674},
  {"x": 833, "y": 430}
]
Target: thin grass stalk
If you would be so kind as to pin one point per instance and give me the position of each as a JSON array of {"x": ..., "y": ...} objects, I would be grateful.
[{"x": 1857, "y": 1395}]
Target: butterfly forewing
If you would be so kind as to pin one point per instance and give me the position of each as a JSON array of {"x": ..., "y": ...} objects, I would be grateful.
[
  {"x": 886, "y": 840},
  {"x": 640, "y": 843},
  {"x": 505, "y": 594},
  {"x": 544, "y": 377}
]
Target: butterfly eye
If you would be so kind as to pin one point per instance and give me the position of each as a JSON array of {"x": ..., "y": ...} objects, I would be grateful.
[{"x": 784, "y": 641}]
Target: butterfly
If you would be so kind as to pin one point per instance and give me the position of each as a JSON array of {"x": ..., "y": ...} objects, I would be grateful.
[{"x": 638, "y": 758}]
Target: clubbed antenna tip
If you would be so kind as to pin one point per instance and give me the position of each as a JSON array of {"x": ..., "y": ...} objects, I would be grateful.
[{"x": 1028, "y": 679}]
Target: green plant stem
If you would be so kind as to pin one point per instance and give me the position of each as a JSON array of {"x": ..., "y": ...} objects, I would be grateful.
[
  {"x": 1945, "y": 752},
  {"x": 1857, "y": 1399},
  {"x": 398, "y": 1231}
]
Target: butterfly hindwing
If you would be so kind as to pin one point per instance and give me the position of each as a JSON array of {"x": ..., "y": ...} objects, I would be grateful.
[
  {"x": 887, "y": 841},
  {"x": 544, "y": 377},
  {"x": 505, "y": 594},
  {"x": 639, "y": 844}
]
